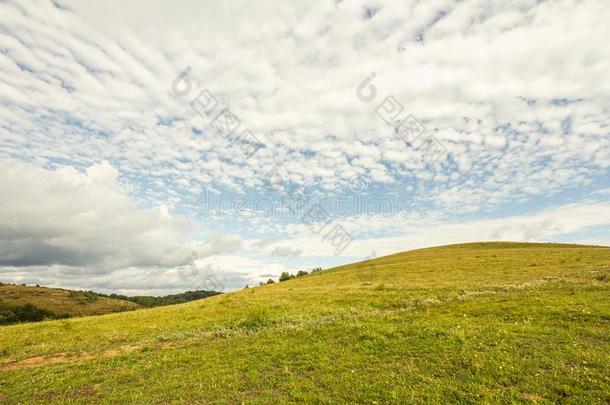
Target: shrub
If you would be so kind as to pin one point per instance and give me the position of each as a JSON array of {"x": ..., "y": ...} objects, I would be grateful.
[
  {"x": 7, "y": 316},
  {"x": 270, "y": 281},
  {"x": 23, "y": 313}
]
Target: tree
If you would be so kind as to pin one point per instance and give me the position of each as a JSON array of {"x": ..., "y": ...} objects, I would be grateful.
[
  {"x": 317, "y": 269},
  {"x": 285, "y": 276},
  {"x": 270, "y": 281},
  {"x": 302, "y": 273}
]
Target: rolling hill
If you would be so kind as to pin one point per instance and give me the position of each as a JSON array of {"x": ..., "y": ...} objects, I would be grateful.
[
  {"x": 61, "y": 301},
  {"x": 22, "y": 302},
  {"x": 491, "y": 322}
]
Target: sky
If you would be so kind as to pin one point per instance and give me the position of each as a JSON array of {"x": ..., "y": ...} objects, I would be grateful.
[{"x": 159, "y": 147}]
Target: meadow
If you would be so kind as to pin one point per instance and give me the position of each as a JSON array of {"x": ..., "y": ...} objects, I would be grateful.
[{"x": 482, "y": 322}]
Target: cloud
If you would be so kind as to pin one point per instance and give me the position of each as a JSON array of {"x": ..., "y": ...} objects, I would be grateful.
[
  {"x": 264, "y": 246},
  {"x": 548, "y": 225},
  {"x": 263, "y": 243},
  {"x": 285, "y": 251},
  {"x": 216, "y": 245},
  {"x": 64, "y": 217},
  {"x": 78, "y": 230},
  {"x": 517, "y": 93},
  {"x": 500, "y": 110}
]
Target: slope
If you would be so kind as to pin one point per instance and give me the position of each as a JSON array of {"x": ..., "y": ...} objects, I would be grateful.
[
  {"x": 495, "y": 322},
  {"x": 61, "y": 301}
]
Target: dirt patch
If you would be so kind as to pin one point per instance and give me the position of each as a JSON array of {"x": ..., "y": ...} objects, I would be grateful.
[
  {"x": 40, "y": 361},
  {"x": 532, "y": 396},
  {"x": 36, "y": 361},
  {"x": 86, "y": 391}
]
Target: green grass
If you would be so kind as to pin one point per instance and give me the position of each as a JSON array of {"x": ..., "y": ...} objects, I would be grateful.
[{"x": 493, "y": 322}]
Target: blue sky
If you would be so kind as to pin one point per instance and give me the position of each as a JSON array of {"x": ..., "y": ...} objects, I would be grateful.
[{"x": 190, "y": 145}]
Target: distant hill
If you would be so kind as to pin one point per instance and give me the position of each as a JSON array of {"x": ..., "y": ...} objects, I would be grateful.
[
  {"x": 20, "y": 303},
  {"x": 473, "y": 323},
  {"x": 62, "y": 302},
  {"x": 149, "y": 301}
]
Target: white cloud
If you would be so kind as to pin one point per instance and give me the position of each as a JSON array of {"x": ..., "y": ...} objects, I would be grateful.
[
  {"x": 543, "y": 226},
  {"x": 292, "y": 81},
  {"x": 286, "y": 251}
]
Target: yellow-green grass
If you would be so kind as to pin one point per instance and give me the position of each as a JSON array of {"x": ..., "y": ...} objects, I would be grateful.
[
  {"x": 490, "y": 322},
  {"x": 60, "y": 301}
]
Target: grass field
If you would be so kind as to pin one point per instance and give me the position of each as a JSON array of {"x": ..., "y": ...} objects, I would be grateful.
[
  {"x": 61, "y": 301},
  {"x": 490, "y": 322}
]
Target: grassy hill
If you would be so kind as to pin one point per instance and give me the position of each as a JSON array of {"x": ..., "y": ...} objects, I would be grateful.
[
  {"x": 21, "y": 302},
  {"x": 61, "y": 301},
  {"x": 492, "y": 322}
]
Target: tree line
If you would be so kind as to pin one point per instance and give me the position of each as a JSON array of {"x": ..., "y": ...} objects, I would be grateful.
[
  {"x": 149, "y": 301},
  {"x": 146, "y": 301},
  {"x": 285, "y": 276}
]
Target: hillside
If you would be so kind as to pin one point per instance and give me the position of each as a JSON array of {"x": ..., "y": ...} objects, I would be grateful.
[
  {"x": 21, "y": 302},
  {"x": 61, "y": 301},
  {"x": 493, "y": 322}
]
